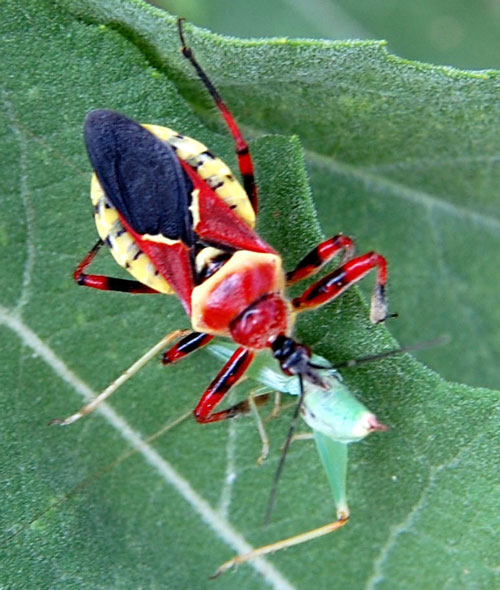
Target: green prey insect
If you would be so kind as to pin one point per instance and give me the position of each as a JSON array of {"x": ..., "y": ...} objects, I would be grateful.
[{"x": 336, "y": 418}]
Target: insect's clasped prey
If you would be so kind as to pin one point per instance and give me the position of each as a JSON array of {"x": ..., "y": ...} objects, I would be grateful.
[{"x": 177, "y": 219}]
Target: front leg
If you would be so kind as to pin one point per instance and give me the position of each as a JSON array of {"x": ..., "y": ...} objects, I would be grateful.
[
  {"x": 334, "y": 284},
  {"x": 229, "y": 375},
  {"x": 187, "y": 345},
  {"x": 319, "y": 256}
]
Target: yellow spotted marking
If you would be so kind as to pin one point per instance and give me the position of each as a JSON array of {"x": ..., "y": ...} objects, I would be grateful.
[
  {"x": 123, "y": 247},
  {"x": 194, "y": 208},
  {"x": 159, "y": 239},
  {"x": 205, "y": 257},
  {"x": 211, "y": 169}
]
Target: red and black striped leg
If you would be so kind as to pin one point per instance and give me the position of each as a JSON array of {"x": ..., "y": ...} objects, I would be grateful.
[
  {"x": 190, "y": 343},
  {"x": 242, "y": 152},
  {"x": 335, "y": 283},
  {"x": 230, "y": 374},
  {"x": 319, "y": 256},
  {"x": 106, "y": 283}
]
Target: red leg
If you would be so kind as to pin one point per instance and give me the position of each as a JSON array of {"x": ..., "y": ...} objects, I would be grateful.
[
  {"x": 231, "y": 372},
  {"x": 106, "y": 283},
  {"x": 319, "y": 256},
  {"x": 335, "y": 283},
  {"x": 186, "y": 346},
  {"x": 244, "y": 159}
]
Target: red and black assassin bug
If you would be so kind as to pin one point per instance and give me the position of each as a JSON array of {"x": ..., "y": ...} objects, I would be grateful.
[{"x": 174, "y": 216}]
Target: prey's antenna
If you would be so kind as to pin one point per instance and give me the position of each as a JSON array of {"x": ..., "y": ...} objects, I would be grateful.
[
  {"x": 392, "y": 352},
  {"x": 281, "y": 464}
]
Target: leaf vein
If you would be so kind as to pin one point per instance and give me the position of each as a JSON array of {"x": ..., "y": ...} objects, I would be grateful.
[
  {"x": 397, "y": 530},
  {"x": 29, "y": 264},
  {"x": 219, "y": 525},
  {"x": 378, "y": 184}
]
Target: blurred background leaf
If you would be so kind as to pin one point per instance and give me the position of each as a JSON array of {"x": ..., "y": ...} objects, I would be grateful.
[{"x": 450, "y": 32}]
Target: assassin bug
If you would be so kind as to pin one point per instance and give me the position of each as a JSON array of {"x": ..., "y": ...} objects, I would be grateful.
[{"x": 177, "y": 220}]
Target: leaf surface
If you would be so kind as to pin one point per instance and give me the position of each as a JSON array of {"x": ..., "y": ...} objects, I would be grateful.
[{"x": 423, "y": 496}]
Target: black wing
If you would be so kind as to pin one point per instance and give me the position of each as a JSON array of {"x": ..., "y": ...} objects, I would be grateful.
[{"x": 140, "y": 175}]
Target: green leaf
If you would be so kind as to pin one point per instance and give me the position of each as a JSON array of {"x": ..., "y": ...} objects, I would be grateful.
[
  {"x": 458, "y": 33},
  {"x": 423, "y": 495}
]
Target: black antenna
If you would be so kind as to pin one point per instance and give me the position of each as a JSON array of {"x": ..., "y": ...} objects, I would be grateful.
[{"x": 279, "y": 470}]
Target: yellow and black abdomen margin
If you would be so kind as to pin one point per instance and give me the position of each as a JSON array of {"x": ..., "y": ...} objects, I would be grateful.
[{"x": 153, "y": 221}]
